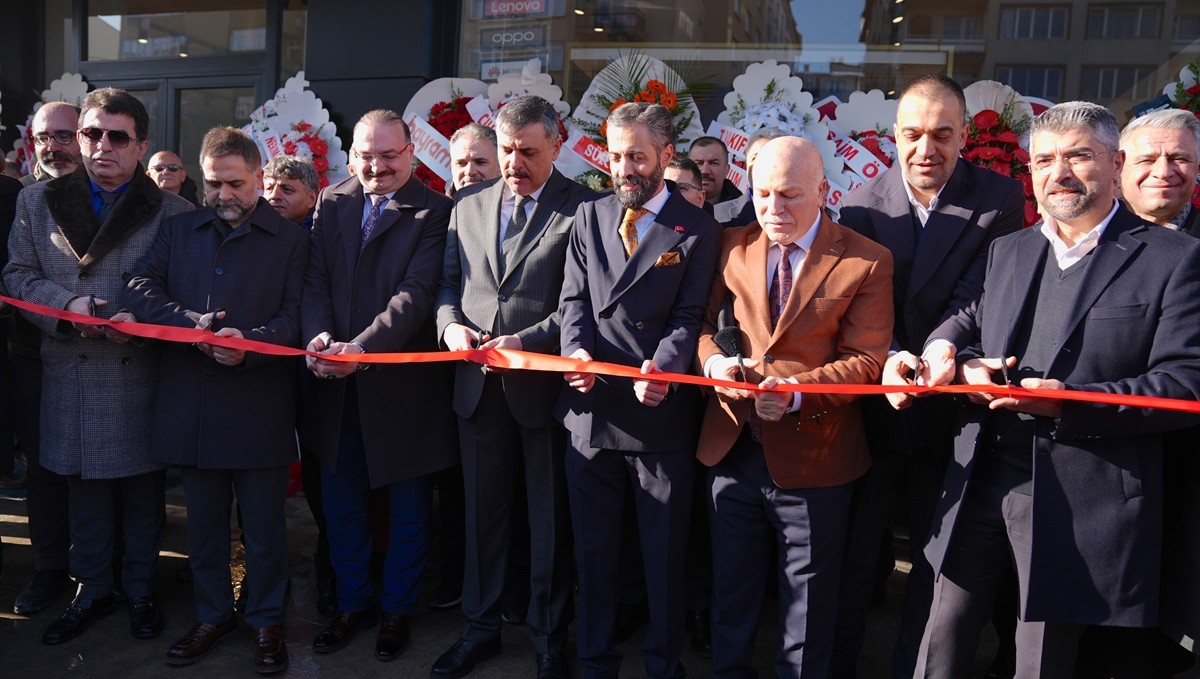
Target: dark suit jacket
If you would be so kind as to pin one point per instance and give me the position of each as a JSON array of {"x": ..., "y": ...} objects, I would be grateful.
[
  {"x": 1098, "y": 472},
  {"x": 627, "y": 311},
  {"x": 934, "y": 277},
  {"x": 383, "y": 299},
  {"x": 522, "y": 302},
  {"x": 835, "y": 328},
  {"x": 206, "y": 414},
  {"x": 1181, "y": 525}
]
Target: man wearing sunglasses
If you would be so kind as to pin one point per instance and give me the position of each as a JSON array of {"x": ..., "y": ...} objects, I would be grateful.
[
  {"x": 166, "y": 169},
  {"x": 73, "y": 241}
]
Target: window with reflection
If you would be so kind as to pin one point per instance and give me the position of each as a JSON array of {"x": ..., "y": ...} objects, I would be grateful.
[{"x": 160, "y": 29}]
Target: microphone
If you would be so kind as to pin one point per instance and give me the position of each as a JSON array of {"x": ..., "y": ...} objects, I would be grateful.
[{"x": 729, "y": 340}]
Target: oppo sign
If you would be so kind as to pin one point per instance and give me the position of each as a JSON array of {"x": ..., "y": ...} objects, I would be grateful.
[
  {"x": 507, "y": 8},
  {"x": 513, "y": 36}
]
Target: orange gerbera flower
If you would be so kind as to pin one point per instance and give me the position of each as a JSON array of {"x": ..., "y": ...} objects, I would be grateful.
[
  {"x": 670, "y": 101},
  {"x": 604, "y": 128},
  {"x": 617, "y": 104},
  {"x": 657, "y": 87}
]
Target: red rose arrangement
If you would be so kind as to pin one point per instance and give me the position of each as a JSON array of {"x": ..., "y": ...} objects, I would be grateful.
[
  {"x": 994, "y": 142},
  {"x": 882, "y": 146},
  {"x": 446, "y": 117},
  {"x": 304, "y": 142}
]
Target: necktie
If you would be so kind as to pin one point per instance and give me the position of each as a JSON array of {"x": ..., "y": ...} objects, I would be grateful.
[
  {"x": 629, "y": 235},
  {"x": 516, "y": 225},
  {"x": 107, "y": 200},
  {"x": 781, "y": 289},
  {"x": 781, "y": 284},
  {"x": 372, "y": 219}
]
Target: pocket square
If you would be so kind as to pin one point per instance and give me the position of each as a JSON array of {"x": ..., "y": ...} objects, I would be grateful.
[{"x": 668, "y": 259}]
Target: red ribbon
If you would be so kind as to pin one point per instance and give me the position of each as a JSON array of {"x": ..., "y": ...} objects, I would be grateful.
[{"x": 524, "y": 360}]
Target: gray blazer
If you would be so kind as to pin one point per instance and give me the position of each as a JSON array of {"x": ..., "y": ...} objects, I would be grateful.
[
  {"x": 97, "y": 396},
  {"x": 522, "y": 302}
]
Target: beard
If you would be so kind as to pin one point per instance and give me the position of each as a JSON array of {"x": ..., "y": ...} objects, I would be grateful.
[
  {"x": 636, "y": 190},
  {"x": 231, "y": 211},
  {"x": 1068, "y": 207}
]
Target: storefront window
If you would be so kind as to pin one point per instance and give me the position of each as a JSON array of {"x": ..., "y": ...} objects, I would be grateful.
[
  {"x": 158, "y": 29},
  {"x": 1060, "y": 51}
]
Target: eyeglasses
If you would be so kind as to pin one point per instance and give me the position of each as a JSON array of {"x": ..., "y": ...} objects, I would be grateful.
[
  {"x": 684, "y": 186},
  {"x": 118, "y": 138},
  {"x": 1078, "y": 160},
  {"x": 169, "y": 167},
  {"x": 61, "y": 137},
  {"x": 386, "y": 157}
]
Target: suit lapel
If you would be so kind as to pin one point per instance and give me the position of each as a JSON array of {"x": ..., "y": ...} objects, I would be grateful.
[
  {"x": 894, "y": 221},
  {"x": 945, "y": 226},
  {"x": 1033, "y": 248},
  {"x": 548, "y": 203},
  {"x": 1115, "y": 248},
  {"x": 826, "y": 250},
  {"x": 493, "y": 198},
  {"x": 350, "y": 223},
  {"x": 658, "y": 239},
  {"x": 755, "y": 267}
]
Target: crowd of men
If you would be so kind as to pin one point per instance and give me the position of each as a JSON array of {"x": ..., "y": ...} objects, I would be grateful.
[{"x": 1064, "y": 522}]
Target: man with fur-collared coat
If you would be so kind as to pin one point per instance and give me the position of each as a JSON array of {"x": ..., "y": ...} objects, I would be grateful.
[{"x": 73, "y": 244}]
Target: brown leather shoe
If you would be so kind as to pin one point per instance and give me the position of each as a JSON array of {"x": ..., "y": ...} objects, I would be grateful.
[
  {"x": 198, "y": 641},
  {"x": 342, "y": 629},
  {"x": 270, "y": 653}
]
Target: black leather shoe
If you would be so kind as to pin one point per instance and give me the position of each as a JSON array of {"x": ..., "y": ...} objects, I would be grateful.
[
  {"x": 552, "y": 666},
  {"x": 145, "y": 617},
  {"x": 342, "y": 629},
  {"x": 462, "y": 658},
  {"x": 699, "y": 629},
  {"x": 75, "y": 620},
  {"x": 393, "y": 637},
  {"x": 270, "y": 653},
  {"x": 198, "y": 641},
  {"x": 41, "y": 591}
]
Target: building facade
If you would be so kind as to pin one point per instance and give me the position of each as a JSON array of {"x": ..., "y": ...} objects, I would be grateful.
[{"x": 199, "y": 63}]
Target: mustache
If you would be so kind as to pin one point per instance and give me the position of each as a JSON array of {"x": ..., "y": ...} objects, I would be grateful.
[
  {"x": 1068, "y": 185},
  {"x": 55, "y": 156},
  {"x": 633, "y": 182},
  {"x": 516, "y": 174}
]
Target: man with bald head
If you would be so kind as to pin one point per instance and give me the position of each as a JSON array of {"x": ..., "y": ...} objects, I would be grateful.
[
  {"x": 54, "y": 142},
  {"x": 811, "y": 303},
  {"x": 937, "y": 214},
  {"x": 56, "y": 154}
]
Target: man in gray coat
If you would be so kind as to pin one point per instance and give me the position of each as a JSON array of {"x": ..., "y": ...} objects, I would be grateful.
[
  {"x": 502, "y": 273},
  {"x": 73, "y": 241},
  {"x": 226, "y": 416}
]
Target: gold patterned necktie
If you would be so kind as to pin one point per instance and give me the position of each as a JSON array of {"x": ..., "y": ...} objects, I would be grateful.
[{"x": 629, "y": 235}]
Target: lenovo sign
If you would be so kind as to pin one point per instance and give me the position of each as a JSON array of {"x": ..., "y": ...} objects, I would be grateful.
[{"x": 514, "y": 8}]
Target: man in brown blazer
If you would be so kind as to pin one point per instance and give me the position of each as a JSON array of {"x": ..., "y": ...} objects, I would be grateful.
[
  {"x": 374, "y": 264},
  {"x": 811, "y": 301}
]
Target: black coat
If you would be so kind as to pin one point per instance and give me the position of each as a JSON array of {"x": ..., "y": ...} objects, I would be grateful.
[
  {"x": 1096, "y": 533},
  {"x": 206, "y": 414}
]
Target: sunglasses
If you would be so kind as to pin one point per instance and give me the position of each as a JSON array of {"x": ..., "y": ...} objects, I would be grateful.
[
  {"x": 62, "y": 138},
  {"x": 118, "y": 138},
  {"x": 170, "y": 167}
]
